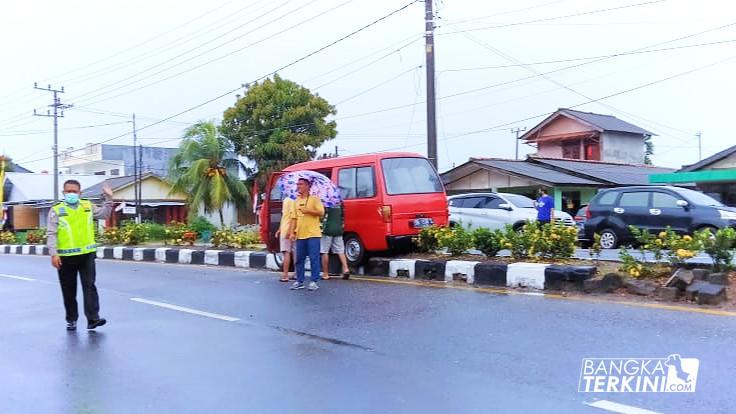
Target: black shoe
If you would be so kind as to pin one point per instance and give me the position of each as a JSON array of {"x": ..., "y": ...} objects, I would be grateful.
[
  {"x": 96, "y": 324},
  {"x": 346, "y": 275},
  {"x": 71, "y": 326}
]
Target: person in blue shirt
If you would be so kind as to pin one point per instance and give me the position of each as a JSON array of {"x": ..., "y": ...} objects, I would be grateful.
[{"x": 545, "y": 207}]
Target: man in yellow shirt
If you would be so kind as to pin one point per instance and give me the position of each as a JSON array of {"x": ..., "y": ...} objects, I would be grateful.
[
  {"x": 307, "y": 215},
  {"x": 284, "y": 233}
]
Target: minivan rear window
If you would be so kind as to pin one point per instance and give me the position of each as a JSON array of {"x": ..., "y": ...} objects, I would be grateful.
[{"x": 410, "y": 176}]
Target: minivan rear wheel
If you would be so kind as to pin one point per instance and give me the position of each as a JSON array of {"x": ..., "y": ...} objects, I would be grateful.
[
  {"x": 354, "y": 250},
  {"x": 609, "y": 239}
]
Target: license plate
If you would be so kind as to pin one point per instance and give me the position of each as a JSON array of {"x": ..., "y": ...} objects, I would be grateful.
[{"x": 421, "y": 223}]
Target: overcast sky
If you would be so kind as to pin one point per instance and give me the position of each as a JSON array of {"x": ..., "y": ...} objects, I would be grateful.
[{"x": 160, "y": 58}]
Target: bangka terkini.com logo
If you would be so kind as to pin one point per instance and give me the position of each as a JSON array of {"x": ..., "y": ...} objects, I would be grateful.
[{"x": 670, "y": 374}]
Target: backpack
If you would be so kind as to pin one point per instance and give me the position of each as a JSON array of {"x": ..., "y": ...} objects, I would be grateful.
[{"x": 332, "y": 224}]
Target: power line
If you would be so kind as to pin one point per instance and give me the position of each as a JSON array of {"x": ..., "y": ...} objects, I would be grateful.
[
  {"x": 229, "y": 92},
  {"x": 118, "y": 54},
  {"x": 555, "y": 17},
  {"x": 378, "y": 85},
  {"x": 39, "y": 132},
  {"x": 177, "y": 64},
  {"x": 588, "y": 57}
]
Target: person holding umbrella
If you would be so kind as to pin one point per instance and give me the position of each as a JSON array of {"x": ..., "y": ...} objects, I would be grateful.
[{"x": 308, "y": 212}]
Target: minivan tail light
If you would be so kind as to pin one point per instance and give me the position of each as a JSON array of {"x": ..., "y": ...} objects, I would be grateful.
[
  {"x": 588, "y": 214},
  {"x": 386, "y": 213}
]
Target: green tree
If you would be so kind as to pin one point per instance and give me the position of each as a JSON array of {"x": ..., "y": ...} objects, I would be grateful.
[
  {"x": 278, "y": 123},
  {"x": 648, "y": 150},
  {"x": 206, "y": 169}
]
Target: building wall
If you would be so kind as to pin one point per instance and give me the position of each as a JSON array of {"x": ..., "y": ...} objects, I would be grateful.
[
  {"x": 488, "y": 180},
  {"x": 550, "y": 150},
  {"x": 564, "y": 125},
  {"x": 111, "y": 168},
  {"x": 155, "y": 159},
  {"x": 728, "y": 162},
  {"x": 622, "y": 148},
  {"x": 153, "y": 189}
]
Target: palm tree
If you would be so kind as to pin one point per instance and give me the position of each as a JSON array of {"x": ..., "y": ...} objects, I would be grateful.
[{"x": 206, "y": 170}]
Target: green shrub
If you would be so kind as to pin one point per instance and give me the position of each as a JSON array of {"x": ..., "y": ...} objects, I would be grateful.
[
  {"x": 174, "y": 233},
  {"x": 37, "y": 236},
  {"x": 201, "y": 225},
  {"x": 239, "y": 239},
  {"x": 8, "y": 237},
  {"x": 426, "y": 241},
  {"x": 155, "y": 231},
  {"x": 719, "y": 247},
  {"x": 487, "y": 241},
  {"x": 457, "y": 240}
]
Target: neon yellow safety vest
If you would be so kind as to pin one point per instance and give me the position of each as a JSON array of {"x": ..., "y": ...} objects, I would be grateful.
[{"x": 76, "y": 232}]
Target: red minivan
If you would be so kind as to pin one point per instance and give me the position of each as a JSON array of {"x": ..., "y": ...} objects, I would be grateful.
[{"x": 387, "y": 199}]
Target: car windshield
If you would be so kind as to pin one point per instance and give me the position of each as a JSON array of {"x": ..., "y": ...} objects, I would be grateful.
[
  {"x": 698, "y": 198},
  {"x": 519, "y": 200},
  {"x": 410, "y": 176}
]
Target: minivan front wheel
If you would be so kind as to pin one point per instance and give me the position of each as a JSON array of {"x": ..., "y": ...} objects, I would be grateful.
[
  {"x": 354, "y": 250},
  {"x": 609, "y": 239}
]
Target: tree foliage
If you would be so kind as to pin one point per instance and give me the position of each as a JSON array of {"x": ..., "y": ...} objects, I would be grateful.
[
  {"x": 206, "y": 169},
  {"x": 648, "y": 150},
  {"x": 278, "y": 123}
]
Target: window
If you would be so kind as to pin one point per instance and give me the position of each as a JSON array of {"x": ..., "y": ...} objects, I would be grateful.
[
  {"x": 346, "y": 183},
  {"x": 115, "y": 171},
  {"x": 520, "y": 201},
  {"x": 698, "y": 198},
  {"x": 571, "y": 150},
  {"x": 357, "y": 183},
  {"x": 608, "y": 198},
  {"x": 592, "y": 151},
  {"x": 410, "y": 176},
  {"x": 635, "y": 199},
  {"x": 365, "y": 182},
  {"x": 494, "y": 202},
  {"x": 469, "y": 202},
  {"x": 663, "y": 200}
]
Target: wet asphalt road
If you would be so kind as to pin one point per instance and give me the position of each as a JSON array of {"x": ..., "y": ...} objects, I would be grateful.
[{"x": 351, "y": 347}]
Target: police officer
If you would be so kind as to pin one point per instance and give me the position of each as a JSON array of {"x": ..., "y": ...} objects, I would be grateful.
[{"x": 72, "y": 246}]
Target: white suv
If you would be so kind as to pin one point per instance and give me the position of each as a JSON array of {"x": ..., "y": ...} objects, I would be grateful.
[{"x": 496, "y": 210}]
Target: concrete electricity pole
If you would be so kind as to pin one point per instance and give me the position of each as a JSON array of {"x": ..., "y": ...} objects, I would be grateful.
[
  {"x": 137, "y": 183},
  {"x": 431, "y": 110},
  {"x": 58, "y": 113},
  {"x": 517, "y": 131},
  {"x": 700, "y": 145}
]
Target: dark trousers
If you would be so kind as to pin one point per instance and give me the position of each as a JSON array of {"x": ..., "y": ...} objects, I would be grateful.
[
  {"x": 84, "y": 265},
  {"x": 308, "y": 248}
]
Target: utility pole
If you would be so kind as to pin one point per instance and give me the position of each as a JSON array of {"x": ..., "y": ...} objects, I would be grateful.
[
  {"x": 136, "y": 183},
  {"x": 58, "y": 113},
  {"x": 700, "y": 145},
  {"x": 337, "y": 154},
  {"x": 517, "y": 131},
  {"x": 140, "y": 182},
  {"x": 431, "y": 103}
]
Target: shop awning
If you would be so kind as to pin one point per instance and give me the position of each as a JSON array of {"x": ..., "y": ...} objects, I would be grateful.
[{"x": 724, "y": 175}]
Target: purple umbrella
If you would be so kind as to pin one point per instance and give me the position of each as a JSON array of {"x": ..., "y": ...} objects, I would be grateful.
[{"x": 322, "y": 187}]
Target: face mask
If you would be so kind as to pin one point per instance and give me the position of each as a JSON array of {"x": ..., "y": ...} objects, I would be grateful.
[{"x": 71, "y": 198}]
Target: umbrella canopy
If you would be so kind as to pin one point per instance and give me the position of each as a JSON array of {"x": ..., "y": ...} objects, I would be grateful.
[{"x": 322, "y": 187}]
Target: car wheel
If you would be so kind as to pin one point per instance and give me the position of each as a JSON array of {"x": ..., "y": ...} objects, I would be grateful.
[
  {"x": 279, "y": 259},
  {"x": 354, "y": 250},
  {"x": 609, "y": 239}
]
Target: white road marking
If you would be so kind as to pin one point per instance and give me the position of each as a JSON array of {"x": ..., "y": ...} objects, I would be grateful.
[
  {"x": 27, "y": 279},
  {"x": 619, "y": 408},
  {"x": 187, "y": 310}
]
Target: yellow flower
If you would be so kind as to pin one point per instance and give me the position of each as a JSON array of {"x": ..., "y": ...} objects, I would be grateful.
[
  {"x": 662, "y": 235},
  {"x": 508, "y": 245},
  {"x": 658, "y": 242},
  {"x": 687, "y": 238}
]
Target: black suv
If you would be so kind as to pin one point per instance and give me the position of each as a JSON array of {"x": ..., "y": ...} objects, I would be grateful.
[{"x": 652, "y": 208}]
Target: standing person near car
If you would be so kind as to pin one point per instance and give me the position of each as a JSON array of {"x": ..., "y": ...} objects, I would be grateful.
[
  {"x": 545, "y": 207},
  {"x": 72, "y": 247},
  {"x": 332, "y": 231},
  {"x": 284, "y": 233},
  {"x": 307, "y": 213}
]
